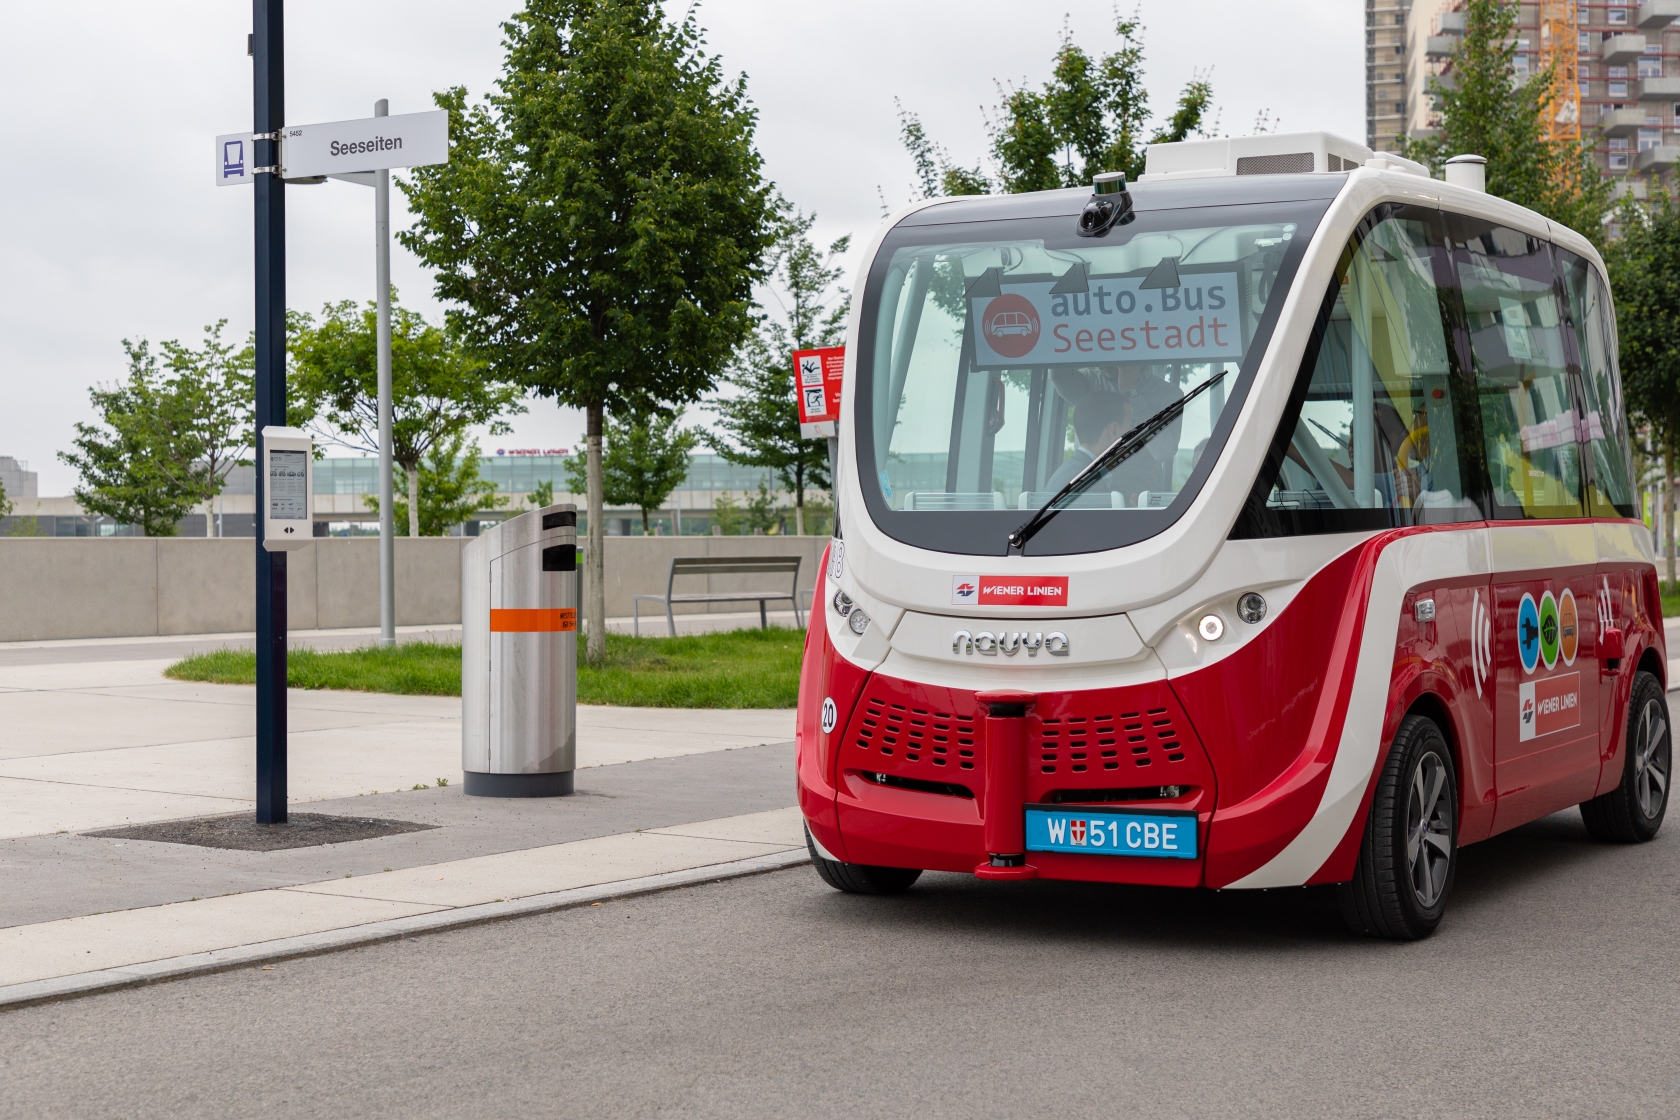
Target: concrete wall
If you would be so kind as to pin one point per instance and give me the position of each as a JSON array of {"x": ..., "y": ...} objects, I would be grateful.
[
  {"x": 641, "y": 566},
  {"x": 89, "y": 587}
]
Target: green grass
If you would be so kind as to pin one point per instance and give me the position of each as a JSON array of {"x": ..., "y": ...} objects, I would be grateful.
[
  {"x": 1670, "y": 600},
  {"x": 734, "y": 669}
]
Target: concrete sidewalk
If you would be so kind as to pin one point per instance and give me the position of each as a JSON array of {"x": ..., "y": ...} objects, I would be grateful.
[
  {"x": 87, "y": 745},
  {"x": 93, "y": 736},
  {"x": 54, "y": 959}
]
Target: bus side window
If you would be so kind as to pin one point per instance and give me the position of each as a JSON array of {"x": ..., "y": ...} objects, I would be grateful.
[
  {"x": 1609, "y": 484},
  {"x": 1374, "y": 441},
  {"x": 1530, "y": 415}
]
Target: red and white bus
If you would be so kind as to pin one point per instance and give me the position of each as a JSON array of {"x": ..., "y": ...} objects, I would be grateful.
[{"x": 1270, "y": 522}]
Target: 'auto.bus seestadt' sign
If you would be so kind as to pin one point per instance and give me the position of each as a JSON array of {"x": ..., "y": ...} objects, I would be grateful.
[
  {"x": 1117, "y": 320},
  {"x": 340, "y": 147}
]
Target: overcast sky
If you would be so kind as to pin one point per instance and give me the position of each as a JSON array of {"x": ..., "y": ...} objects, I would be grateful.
[{"x": 111, "y": 227}]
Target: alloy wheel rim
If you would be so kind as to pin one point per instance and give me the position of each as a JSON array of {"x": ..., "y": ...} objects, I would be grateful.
[
  {"x": 1429, "y": 829},
  {"x": 1651, "y": 758}
]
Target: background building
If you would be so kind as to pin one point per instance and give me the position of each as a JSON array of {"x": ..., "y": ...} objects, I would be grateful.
[
  {"x": 342, "y": 484},
  {"x": 1386, "y": 57},
  {"x": 16, "y": 478},
  {"x": 1628, "y": 56}
]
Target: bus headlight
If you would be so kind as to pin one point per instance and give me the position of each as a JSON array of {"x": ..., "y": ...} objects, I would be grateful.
[
  {"x": 842, "y": 604},
  {"x": 858, "y": 621},
  {"x": 1211, "y": 627}
]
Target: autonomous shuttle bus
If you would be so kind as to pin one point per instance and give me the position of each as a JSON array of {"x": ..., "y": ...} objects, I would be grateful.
[{"x": 1268, "y": 521}]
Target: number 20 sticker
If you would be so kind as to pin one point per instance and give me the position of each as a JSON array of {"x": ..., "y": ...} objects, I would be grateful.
[{"x": 830, "y": 714}]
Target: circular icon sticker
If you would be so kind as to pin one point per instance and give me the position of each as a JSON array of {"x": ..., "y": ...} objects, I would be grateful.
[
  {"x": 1569, "y": 629},
  {"x": 1548, "y": 629},
  {"x": 830, "y": 714},
  {"x": 1528, "y": 633},
  {"x": 1010, "y": 325}
]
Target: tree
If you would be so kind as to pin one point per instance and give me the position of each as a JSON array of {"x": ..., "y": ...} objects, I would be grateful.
[
  {"x": 145, "y": 463},
  {"x": 1645, "y": 275},
  {"x": 726, "y": 514},
  {"x": 643, "y": 462},
  {"x": 1090, "y": 117},
  {"x": 6, "y": 505},
  {"x": 438, "y": 390},
  {"x": 1487, "y": 113},
  {"x": 220, "y": 380},
  {"x": 759, "y": 427},
  {"x": 542, "y": 494},
  {"x": 761, "y": 510},
  {"x": 601, "y": 221},
  {"x": 449, "y": 487}
]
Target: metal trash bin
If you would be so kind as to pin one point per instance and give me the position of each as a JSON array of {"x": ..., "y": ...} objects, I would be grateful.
[{"x": 519, "y": 603}]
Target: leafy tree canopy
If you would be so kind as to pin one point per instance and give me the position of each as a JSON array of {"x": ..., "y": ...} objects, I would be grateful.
[
  {"x": 438, "y": 390},
  {"x": 1485, "y": 112},
  {"x": 758, "y": 425},
  {"x": 167, "y": 436},
  {"x": 601, "y": 221},
  {"x": 1092, "y": 116},
  {"x": 1644, "y": 267},
  {"x": 449, "y": 486},
  {"x": 645, "y": 460}
]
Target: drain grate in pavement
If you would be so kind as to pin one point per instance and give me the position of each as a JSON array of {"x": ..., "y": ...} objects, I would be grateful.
[{"x": 300, "y": 830}]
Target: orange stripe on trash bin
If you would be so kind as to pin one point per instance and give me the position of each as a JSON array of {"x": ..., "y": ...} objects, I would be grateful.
[{"x": 524, "y": 621}]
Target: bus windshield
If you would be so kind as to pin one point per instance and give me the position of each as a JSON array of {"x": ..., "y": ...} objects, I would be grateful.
[{"x": 1002, "y": 366}]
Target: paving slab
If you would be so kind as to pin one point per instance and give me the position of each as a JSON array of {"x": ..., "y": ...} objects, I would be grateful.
[
  {"x": 33, "y": 807},
  {"x": 134, "y": 936},
  {"x": 112, "y": 743},
  {"x": 30, "y": 954},
  {"x": 605, "y": 859},
  {"x": 45, "y": 877}
]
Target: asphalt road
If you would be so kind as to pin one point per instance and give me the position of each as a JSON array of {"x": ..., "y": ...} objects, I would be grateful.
[{"x": 1549, "y": 990}]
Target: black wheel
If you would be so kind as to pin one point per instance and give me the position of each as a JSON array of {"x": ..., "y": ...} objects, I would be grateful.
[
  {"x": 1410, "y": 851},
  {"x": 1633, "y": 811},
  {"x": 855, "y": 878}
]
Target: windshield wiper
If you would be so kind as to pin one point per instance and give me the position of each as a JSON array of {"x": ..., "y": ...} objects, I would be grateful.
[{"x": 1118, "y": 452}]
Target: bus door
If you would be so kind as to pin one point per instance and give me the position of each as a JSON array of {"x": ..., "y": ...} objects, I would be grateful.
[
  {"x": 1610, "y": 494},
  {"x": 1543, "y": 552}
]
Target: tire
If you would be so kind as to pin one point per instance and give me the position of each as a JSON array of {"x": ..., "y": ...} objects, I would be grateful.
[
  {"x": 1633, "y": 811},
  {"x": 1409, "y": 855},
  {"x": 855, "y": 878}
]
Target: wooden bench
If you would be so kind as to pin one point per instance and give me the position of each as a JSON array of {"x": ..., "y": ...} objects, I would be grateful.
[{"x": 722, "y": 566}]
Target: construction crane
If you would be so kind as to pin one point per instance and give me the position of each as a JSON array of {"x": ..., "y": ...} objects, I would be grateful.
[{"x": 1559, "y": 44}]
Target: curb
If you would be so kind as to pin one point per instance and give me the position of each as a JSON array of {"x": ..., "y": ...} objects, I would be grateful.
[{"x": 311, "y": 944}]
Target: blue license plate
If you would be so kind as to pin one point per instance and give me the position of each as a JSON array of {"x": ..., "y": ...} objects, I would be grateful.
[{"x": 1160, "y": 834}]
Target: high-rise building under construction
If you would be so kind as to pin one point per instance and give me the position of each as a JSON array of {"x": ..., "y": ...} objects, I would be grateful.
[{"x": 1627, "y": 75}]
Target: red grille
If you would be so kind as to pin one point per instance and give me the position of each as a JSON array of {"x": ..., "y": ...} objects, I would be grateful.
[
  {"x": 920, "y": 735},
  {"x": 1093, "y": 739},
  {"x": 1079, "y": 744}
]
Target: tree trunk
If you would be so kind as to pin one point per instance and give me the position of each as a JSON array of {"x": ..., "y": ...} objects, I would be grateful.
[
  {"x": 595, "y": 610},
  {"x": 413, "y": 474},
  {"x": 1668, "y": 503},
  {"x": 646, "y": 532}
]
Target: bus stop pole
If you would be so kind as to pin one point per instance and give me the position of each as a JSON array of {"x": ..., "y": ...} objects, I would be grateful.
[
  {"x": 387, "y": 496},
  {"x": 269, "y": 115}
]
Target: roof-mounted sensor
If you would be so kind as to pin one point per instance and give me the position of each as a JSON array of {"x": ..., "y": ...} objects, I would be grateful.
[{"x": 1110, "y": 205}]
